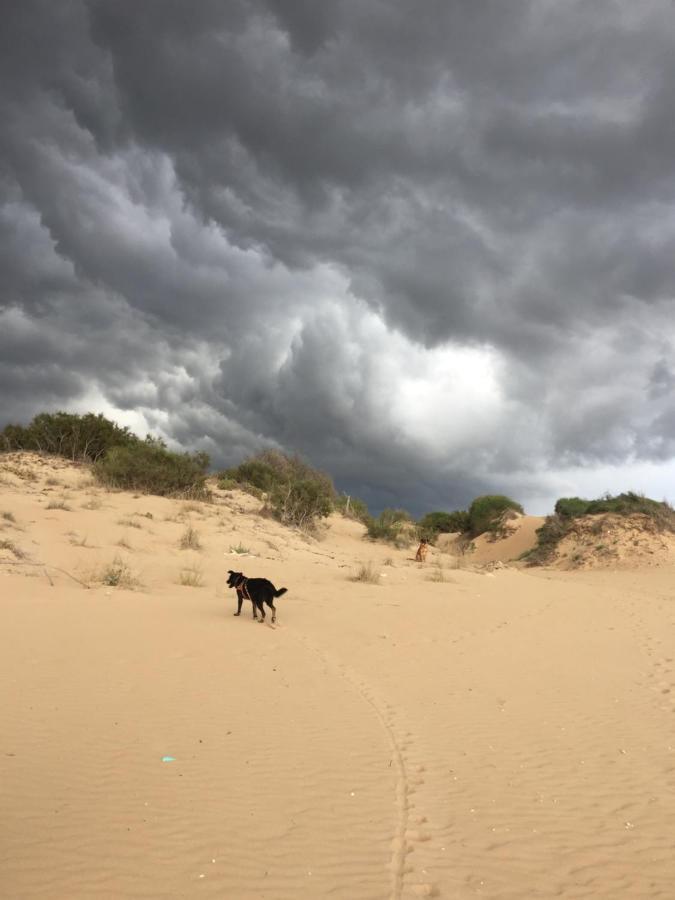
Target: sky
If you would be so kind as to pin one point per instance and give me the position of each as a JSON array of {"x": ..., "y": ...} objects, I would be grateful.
[{"x": 428, "y": 246}]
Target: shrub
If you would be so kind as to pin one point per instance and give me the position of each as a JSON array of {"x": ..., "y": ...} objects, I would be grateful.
[
  {"x": 352, "y": 508},
  {"x": 118, "y": 574},
  {"x": 391, "y": 525},
  {"x": 296, "y": 493},
  {"x": 301, "y": 503},
  {"x": 570, "y": 507},
  {"x": 86, "y": 437},
  {"x": 191, "y": 576},
  {"x": 190, "y": 539},
  {"x": 366, "y": 573},
  {"x": 149, "y": 467},
  {"x": 240, "y": 550},
  {"x": 486, "y": 513},
  {"x": 435, "y": 523},
  {"x": 58, "y": 504}
]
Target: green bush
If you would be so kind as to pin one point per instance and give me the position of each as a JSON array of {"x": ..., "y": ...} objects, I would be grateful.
[
  {"x": 301, "y": 503},
  {"x": 295, "y": 493},
  {"x": 352, "y": 508},
  {"x": 77, "y": 437},
  {"x": 571, "y": 507},
  {"x": 486, "y": 513},
  {"x": 435, "y": 523},
  {"x": 391, "y": 525},
  {"x": 557, "y": 526},
  {"x": 149, "y": 467}
]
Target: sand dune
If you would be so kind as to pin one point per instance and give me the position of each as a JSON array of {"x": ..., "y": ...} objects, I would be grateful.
[{"x": 448, "y": 732}]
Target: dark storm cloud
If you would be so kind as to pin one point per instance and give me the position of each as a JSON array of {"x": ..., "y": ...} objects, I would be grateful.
[{"x": 426, "y": 245}]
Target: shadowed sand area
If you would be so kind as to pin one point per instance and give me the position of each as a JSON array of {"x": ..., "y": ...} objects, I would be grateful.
[{"x": 504, "y": 734}]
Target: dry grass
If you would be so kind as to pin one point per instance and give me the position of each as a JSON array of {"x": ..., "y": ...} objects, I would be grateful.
[
  {"x": 8, "y": 517},
  {"x": 93, "y": 503},
  {"x": 78, "y": 541},
  {"x": 59, "y": 504},
  {"x": 129, "y": 523},
  {"x": 118, "y": 574},
  {"x": 124, "y": 543},
  {"x": 436, "y": 574},
  {"x": 191, "y": 576},
  {"x": 53, "y": 482},
  {"x": 366, "y": 573},
  {"x": 11, "y": 546},
  {"x": 188, "y": 508},
  {"x": 190, "y": 539}
]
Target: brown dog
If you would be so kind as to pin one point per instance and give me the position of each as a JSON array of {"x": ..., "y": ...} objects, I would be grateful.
[{"x": 422, "y": 550}]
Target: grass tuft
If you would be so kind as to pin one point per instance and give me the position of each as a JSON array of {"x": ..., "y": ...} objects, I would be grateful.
[
  {"x": 240, "y": 549},
  {"x": 191, "y": 576},
  {"x": 190, "y": 539},
  {"x": 366, "y": 573},
  {"x": 118, "y": 574},
  {"x": 58, "y": 504}
]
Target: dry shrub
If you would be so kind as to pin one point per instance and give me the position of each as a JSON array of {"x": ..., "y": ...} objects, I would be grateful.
[
  {"x": 191, "y": 576},
  {"x": 58, "y": 504},
  {"x": 118, "y": 574},
  {"x": 366, "y": 573},
  {"x": 11, "y": 546},
  {"x": 436, "y": 574},
  {"x": 190, "y": 539}
]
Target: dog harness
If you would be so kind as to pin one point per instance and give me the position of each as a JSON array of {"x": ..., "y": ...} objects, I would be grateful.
[{"x": 242, "y": 589}]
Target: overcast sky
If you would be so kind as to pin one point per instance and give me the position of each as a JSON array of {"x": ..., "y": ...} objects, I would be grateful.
[{"x": 428, "y": 245}]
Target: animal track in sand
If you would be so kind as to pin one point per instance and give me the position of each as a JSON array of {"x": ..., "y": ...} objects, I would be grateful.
[{"x": 407, "y": 780}]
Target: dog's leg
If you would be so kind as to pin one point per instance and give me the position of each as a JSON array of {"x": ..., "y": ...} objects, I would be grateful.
[
  {"x": 274, "y": 611},
  {"x": 240, "y": 600},
  {"x": 261, "y": 610}
]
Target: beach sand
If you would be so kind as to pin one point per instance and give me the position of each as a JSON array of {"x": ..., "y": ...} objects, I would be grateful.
[{"x": 447, "y": 732}]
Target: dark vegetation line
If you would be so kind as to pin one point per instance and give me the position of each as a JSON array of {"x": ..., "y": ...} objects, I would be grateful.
[{"x": 292, "y": 491}]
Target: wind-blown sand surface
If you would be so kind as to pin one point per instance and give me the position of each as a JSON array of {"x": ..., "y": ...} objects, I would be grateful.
[{"x": 505, "y": 734}]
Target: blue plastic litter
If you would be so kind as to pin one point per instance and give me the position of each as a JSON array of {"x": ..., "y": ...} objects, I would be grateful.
[{"x": 168, "y": 759}]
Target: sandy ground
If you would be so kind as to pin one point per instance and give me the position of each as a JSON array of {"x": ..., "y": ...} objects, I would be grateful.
[{"x": 444, "y": 733}]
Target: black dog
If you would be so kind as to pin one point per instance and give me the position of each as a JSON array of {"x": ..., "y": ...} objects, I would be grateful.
[{"x": 258, "y": 590}]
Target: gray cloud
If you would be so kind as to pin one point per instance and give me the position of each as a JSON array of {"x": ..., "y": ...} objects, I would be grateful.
[{"x": 431, "y": 249}]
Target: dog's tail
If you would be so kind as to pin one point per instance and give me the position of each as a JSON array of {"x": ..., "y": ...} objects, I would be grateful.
[{"x": 280, "y": 592}]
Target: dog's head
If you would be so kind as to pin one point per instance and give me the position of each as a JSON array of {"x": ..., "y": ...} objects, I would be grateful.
[{"x": 234, "y": 578}]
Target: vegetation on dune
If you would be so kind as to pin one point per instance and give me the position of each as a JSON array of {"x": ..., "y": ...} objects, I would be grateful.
[
  {"x": 395, "y": 526},
  {"x": 76, "y": 437},
  {"x": 435, "y": 523},
  {"x": 352, "y": 508},
  {"x": 147, "y": 466},
  {"x": 294, "y": 492},
  {"x": 487, "y": 513},
  {"x": 120, "y": 459},
  {"x": 568, "y": 509}
]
